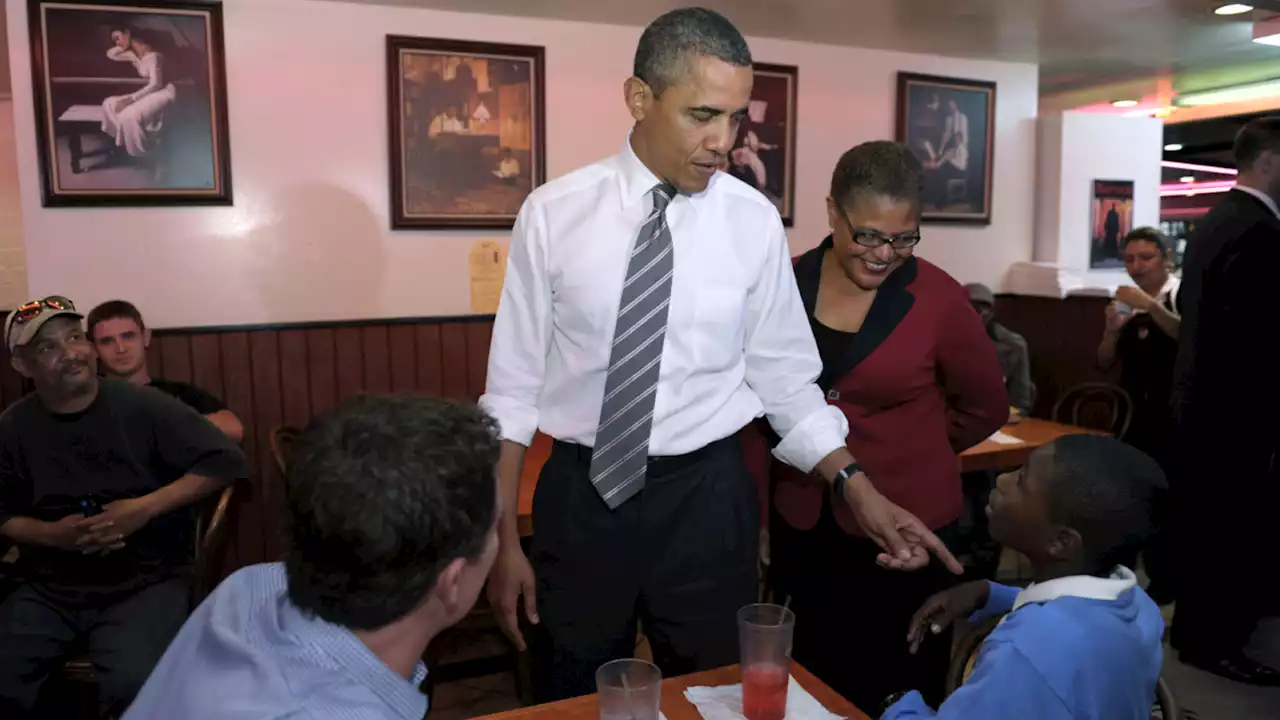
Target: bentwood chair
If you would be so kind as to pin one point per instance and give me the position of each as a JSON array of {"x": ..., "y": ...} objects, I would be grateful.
[
  {"x": 965, "y": 655},
  {"x": 1096, "y": 405}
]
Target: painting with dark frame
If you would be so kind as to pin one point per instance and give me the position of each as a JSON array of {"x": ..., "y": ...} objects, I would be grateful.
[
  {"x": 949, "y": 124},
  {"x": 131, "y": 102},
  {"x": 467, "y": 129},
  {"x": 764, "y": 155}
]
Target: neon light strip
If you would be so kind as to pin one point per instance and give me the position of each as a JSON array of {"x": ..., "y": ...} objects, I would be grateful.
[
  {"x": 1183, "y": 212},
  {"x": 1187, "y": 187},
  {"x": 1202, "y": 168},
  {"x": 1193, "y": 191}
]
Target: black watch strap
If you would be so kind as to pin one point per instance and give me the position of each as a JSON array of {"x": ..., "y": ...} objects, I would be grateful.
[{"x": 843, "y": 476}]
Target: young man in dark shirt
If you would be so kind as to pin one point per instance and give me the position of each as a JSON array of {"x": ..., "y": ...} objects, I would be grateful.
[
  {"x": 97, "y": 480},
  {"x": 122, "y": 338}
]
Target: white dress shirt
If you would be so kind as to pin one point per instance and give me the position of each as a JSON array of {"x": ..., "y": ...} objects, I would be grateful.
[{"x": 738, "y": 342}]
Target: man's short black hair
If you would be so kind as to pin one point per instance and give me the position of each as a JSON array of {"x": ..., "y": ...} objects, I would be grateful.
[
  {"x": 383, "y": 492},
  {"x": 1108, "y": 491},
  {"x": 669, "y": 43},
  {"x": 110, "y": 310},
  {"x": 878, "y": 168},
  {"x": 1146, "y": 234},
  {"x": 1256, "y": 137}
]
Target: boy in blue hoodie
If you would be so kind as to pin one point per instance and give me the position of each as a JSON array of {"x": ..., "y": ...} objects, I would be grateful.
[{"x": 1083, "y": 641}]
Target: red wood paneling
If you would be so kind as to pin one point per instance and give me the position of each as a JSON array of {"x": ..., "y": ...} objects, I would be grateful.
[
  {"x": 453, "y": 360},
  {"x": 274, "y": 376},
  {"x": 175, "y": 351},
  {"x": 430, "y": 371}
]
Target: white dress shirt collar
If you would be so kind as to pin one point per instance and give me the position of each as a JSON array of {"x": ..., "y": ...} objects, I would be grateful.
[
  {"x": 1262, "y": 197},
  {"x": 1082, "y": 586},
  {"x": 635, "y": 179}
]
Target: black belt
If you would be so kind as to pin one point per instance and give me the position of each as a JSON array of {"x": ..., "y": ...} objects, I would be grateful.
[{"x": 659, "y": 464}]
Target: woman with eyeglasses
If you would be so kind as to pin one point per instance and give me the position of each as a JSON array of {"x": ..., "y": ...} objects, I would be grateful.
[{"x": 908, "y": 361}]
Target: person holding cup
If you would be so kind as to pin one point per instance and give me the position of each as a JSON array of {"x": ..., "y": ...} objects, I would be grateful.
[{"x": 1142, "y": 337}]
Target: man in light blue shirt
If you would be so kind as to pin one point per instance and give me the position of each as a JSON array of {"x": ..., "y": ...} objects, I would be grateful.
[
  {"x": 1084, "y": 641},
  {"x": 392, "y": 511}
]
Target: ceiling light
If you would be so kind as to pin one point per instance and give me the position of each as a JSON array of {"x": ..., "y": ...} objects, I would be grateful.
[
  {"x": 1233, "y": 9},
  {"x": 1199, "y": 168},
  {"x": 1125, "y": 103},
  {"x": 1187, "y": 178},
  {"x": 1173, "y": 147},
  {"x": 1232, "y": 93}
]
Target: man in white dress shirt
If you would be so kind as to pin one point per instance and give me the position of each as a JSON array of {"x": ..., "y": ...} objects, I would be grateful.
[{"x": 649, "y": 312}]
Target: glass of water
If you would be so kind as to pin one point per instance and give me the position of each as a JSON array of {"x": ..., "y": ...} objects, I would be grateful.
[{"x": 629, "y": 689}]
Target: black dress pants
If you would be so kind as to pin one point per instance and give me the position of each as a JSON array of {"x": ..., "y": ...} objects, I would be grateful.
[
  {"x": 852, "y": 615},
  {"x": 680, "y": 558},
  {"x": 1225, "y": 497},
  {"x": 124, "y": 640}
]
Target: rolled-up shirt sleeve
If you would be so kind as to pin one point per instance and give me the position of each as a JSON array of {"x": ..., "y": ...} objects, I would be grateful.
[
  {"x": 783, "y": 364},
  {"x": 521, "y": 332}
]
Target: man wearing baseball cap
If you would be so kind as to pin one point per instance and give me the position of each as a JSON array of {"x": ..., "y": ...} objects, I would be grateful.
[{"x": 97, "y": 479}]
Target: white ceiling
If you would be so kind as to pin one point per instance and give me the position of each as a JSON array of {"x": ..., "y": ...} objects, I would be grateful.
[{"x": 1078, "y": 43}]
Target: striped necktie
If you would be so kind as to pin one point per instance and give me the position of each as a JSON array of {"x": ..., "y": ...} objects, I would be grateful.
[{"x": 621, "y": 455}]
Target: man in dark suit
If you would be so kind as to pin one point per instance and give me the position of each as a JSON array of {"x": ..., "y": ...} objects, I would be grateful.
[{"x": 1226, "y": 391}]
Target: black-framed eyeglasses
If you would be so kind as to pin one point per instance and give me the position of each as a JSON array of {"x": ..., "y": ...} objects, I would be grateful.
[{"x": 872, "y": 238}]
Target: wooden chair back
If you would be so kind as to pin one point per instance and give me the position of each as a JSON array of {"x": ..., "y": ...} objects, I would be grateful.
[
  {"x": 1096, "y": 405},
  {"x": 282, "y": 440}
]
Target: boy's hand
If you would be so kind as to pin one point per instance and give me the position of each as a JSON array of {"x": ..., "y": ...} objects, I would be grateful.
[{"x": 943, "y": 608}]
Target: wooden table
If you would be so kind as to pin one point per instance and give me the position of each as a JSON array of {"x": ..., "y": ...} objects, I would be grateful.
[
  {"x": 675, "y": 707},
  {"x": 1033, "y": 432},
  {"x": 986, "y": 455}
]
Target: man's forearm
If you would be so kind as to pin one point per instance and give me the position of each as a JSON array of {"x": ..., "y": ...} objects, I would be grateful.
[
  {"x": 510, "y": 470},
  {"x": 182, "y": 492},
  {"x": 228, "y": 423},
  {"x": 24, "y": 530}
]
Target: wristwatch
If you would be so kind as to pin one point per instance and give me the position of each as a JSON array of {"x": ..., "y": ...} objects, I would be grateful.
[{"x": 849, "y": 471}]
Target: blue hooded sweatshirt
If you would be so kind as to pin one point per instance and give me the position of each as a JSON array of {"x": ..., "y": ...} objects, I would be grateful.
[{"x": 1075, "y": 648}]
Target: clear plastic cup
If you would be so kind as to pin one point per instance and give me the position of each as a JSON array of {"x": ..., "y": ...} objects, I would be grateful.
[
  {"x": 629, "y": 689},
  {"x": 764, "y": 636}
]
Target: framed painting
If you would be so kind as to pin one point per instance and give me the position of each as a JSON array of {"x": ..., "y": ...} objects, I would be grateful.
[
  {"x": 764, "y": 155},
  {"x": 467, "y": 128},
  {"x": 950, "y": 125},
  {"x": 131, "y": 102},
  {"x": 1111, "y": 220}
]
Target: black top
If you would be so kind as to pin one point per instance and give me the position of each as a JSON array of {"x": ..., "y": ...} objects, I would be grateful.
[
  {"x": 129, "y": 442},
  {"x": 831, "y": 343},
  {"x": 1147, "y": 355},
  {"x": 199, "y": 400}
]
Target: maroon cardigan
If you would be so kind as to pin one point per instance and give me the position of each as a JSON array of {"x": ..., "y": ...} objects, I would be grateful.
[{"x": 919, "y": 383}]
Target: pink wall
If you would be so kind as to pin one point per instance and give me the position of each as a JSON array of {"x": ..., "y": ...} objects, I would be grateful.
[{"x": 309, "y": 238}]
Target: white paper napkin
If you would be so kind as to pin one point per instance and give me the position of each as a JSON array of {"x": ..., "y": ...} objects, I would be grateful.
[
  {"x": 725, "y": 703},
  {"x": 1004, "y": 439}
]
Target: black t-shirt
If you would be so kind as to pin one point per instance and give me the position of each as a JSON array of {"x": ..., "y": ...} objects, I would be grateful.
[
  {"x": 129, "y": 442},
  {"x": 199, "y": 400},
  {"x": 831, "y": 342}
]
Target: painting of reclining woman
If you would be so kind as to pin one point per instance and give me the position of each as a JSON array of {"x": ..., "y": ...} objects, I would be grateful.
[{"x": 130, "y": 103}]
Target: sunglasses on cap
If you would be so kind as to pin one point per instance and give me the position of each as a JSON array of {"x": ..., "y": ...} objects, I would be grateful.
[{"x": 32, "y": 310}]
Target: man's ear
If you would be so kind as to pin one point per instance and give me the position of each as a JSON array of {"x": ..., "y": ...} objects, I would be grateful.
[
  {"x": 1066, "y": 544},
  {"x": 146, "y": 338},
  {"x": 17, "y": 363},
  {"x": 639, "y": 98},
  {"x": 449, "y": 583}
]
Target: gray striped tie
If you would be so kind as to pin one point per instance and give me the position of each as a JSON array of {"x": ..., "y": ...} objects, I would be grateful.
[{"x": 621, "y": 454}]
